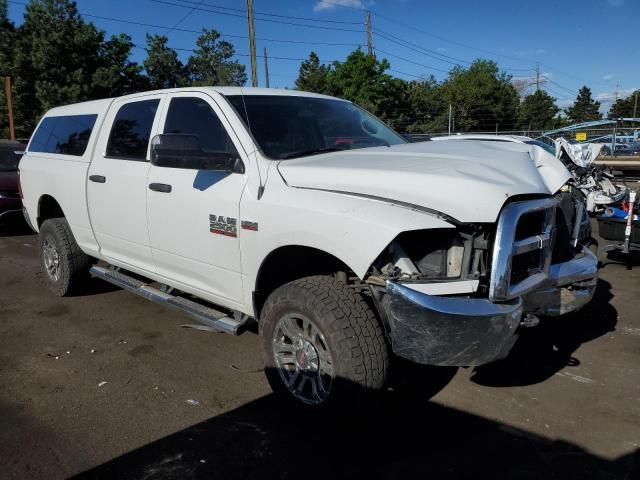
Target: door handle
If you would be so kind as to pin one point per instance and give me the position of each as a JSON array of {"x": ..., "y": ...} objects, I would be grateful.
[
  {"x": 98, "y": 178},
  {"x": 160, "y": 187}
]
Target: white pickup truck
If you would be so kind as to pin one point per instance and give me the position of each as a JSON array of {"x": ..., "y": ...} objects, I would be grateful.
[{"x": 347, "y": 245}]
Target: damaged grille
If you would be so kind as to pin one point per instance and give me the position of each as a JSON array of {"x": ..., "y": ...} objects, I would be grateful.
[{"x": 522, "y": 249}]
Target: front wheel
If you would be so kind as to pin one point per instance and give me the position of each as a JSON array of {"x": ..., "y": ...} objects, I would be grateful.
[{"x": 322, "y": 344}]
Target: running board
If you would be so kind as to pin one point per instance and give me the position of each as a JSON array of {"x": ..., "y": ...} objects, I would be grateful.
[{"x": 205, "y": 315}]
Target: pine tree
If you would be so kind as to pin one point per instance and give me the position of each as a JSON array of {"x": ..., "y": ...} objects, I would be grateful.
[
  {"x": 537, "y": 111},
  {"x": 164, "y": 68},
  {"x": 624, "y": 107},
  {"x": 584, "y": 108},
  {"x": 312, "y": 76},
  {"x": 7, "y": 38},
  {"x": 212, "y": 64}
]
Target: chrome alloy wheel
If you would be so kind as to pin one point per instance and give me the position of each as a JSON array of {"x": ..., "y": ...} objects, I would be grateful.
[
  {"x": 303, "y": 358},
  {"x": 51, "y": 258}
]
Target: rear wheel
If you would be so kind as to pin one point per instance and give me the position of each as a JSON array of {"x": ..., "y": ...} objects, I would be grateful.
[
  {"x": 65, "y": 266},
  {"x": 322, "y": 344}
]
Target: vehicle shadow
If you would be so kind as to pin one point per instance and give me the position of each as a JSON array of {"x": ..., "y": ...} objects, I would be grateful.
[
  {"x": 265, "y": 440},
  {"x": 542, "y": 351}
]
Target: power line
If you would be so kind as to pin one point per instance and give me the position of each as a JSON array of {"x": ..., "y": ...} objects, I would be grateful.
[
  {"x": 187, "y": 30},
  {"x": 237, "y": 15},
  {"x": 291, "y": 17},
  {"x": 573, "y": 92},
  {"x": 431, "y": 53},
  {"x": 179, "y": 49},
  {"x": 179, "y": 22},
  {"x": 405, "y": 73},
  {"x": 411, "y": 61}
]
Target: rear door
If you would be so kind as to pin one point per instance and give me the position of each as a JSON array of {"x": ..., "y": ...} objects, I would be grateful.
[
  {"x": 117, "y": 183},
  {"x": 195, "y": 227}
]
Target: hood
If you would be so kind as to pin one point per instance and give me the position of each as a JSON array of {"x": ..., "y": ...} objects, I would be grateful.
[{"x": 469, "y": 181}]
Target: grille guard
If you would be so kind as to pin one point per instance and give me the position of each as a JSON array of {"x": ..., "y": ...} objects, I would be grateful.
[{"x": 506, "y": 248}]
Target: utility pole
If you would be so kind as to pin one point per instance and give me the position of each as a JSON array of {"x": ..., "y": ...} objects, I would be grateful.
[
  {"x": 7, "y": 86},
  {"x": 635, "y": 105},
  {"x": 369, "y": 36},
  {"x": 537, "y": 77},
  {"x": 266, "y": 68},
  {"x": 252, "y": 44},
  {"x": 449, "y": 119}
]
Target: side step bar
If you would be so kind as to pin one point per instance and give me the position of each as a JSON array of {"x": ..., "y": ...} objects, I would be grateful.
[{"x": 205, "y": 315}]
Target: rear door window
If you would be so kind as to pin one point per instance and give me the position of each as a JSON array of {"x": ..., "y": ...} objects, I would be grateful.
[
  {"x": 67, "y": 135},
  {"x": 131, "y": 130}
]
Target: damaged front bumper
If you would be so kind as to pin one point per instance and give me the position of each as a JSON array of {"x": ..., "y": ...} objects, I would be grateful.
[
  {"x": 465, "y": 331},
  {"x": 452, "y": 331}
]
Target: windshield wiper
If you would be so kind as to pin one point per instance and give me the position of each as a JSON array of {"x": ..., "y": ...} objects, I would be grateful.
[{"x": 312, "y": 151}]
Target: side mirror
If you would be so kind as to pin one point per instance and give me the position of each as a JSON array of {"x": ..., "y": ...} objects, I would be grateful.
[{"x": 179, "y": 150}]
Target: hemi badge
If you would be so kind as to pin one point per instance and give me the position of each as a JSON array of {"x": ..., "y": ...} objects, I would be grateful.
[{"x": 247, "y": 225}]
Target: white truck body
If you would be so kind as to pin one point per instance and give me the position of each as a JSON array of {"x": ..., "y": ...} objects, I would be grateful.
[{"x": 212, "y": 233}]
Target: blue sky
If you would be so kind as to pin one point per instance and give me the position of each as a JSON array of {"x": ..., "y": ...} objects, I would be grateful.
[{"x": 576, "y": 42}]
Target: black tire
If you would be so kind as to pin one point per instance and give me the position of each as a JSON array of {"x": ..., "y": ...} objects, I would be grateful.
[
  {"x": 349, "y": 327},
  {"x": 73, "y": 264}
]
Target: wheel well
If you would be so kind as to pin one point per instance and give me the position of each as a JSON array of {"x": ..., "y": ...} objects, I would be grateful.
[
  {"x": 48, "y": 208},
  {"x": 290, "y": 263}
]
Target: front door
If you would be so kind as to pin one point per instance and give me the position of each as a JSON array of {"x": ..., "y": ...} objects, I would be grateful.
[
  {"x": 194, "y": 221},
  {"x": 117, "y": 183}
]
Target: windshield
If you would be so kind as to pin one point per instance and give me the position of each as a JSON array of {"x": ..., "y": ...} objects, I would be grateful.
[
  {"x": 548, "y": 148},
  {"x": 292, "y": 126}
]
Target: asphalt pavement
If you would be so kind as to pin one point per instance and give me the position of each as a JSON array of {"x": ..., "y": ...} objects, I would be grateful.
[{"x": 109, "y": 385}]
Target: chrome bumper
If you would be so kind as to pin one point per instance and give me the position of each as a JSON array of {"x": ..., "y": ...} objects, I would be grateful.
[
  {"x": 455, "y": 331},
  {"x": 570, "y": 287},
  {"x": 449, "y": 331}
]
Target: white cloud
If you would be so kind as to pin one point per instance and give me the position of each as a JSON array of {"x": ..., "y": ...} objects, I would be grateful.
[
  {"x": 324, "y": 5},
  {"x": 609, "y": 97},
  {"x": 606, "y": 99},
  {"x": 616, "y": 3},
  {"x": 441, "y": 49},
  {"x": 608, "y": 77}
]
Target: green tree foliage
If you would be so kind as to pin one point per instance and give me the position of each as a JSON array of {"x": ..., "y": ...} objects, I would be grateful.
[
  {"x": 584, "y": 108},
  {"x": 212, "y": 64},
  {"x": 164, "y": 68},
  {"x": 537, "y": 111},
  {"x": 362, "y": 79},
  {"x": 425, "y": 105},
  {"x": 482, "y": 97},
  {"x": 117, "y": 75},
  {"x": 312, "y": 76},
  {"x": 624, "y": 107},
  {"x": 61, "y": 59},
  {"x": 54, "y": 61},
  {"x": 7, "y": 37}
]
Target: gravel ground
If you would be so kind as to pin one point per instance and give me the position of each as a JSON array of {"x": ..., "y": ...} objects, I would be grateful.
[{"x": 107, "y": 385}]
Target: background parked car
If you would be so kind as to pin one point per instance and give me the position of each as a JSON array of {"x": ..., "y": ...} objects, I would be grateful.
[{"x": 10, "y": 202}]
